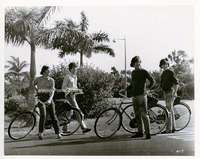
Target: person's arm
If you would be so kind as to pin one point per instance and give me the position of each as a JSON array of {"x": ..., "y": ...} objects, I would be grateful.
[
  {"x": 51, "y": 91},
  {"x": 35, "y": 84},
  {"x": 175, "y": 84}
]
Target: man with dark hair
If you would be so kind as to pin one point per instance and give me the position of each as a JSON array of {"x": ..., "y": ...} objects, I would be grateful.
[
  {"x": 138, "y": 83},
  {"x": 45, "y": 87},
  {"x": 70, "y": 87},
  {"x": 169, "y": 85}
]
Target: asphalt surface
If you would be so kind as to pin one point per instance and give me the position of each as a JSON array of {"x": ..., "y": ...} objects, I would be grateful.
[{"x": 176, "y": 144}]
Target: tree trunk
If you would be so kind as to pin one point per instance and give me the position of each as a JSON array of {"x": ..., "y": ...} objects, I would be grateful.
[
  {"x": 32, "y": 75},
  {"x": 81, "y": 59}
]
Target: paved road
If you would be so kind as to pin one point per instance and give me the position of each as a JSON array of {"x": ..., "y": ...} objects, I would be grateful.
[{"x": 179, "y": 143}]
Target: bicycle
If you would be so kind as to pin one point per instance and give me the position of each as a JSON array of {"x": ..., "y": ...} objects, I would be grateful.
[
  {"x": 109, "y": 121},
  {"x": 22, "y": 125},
  {"x": 182, "y": 113}
]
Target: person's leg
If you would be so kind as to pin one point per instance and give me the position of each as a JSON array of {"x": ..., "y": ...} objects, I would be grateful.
[
  {"x": 54, "y": 118},
  {"x": 168, "y": 101},
  {"x": 138, "y": 115},
  {"x": 72, "y": 100},
  {"x": 42, "y": 119},
  {"x": 144, "y": 114}
]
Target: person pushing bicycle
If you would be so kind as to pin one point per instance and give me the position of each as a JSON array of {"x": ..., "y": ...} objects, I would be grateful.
[
  {"x": 70, "y": 88},
  {"x": 45, "y": 87}
]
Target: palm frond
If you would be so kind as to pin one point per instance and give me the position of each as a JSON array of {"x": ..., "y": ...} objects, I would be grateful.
[
  {"x": 104, "y": 49},
  {"x": 45, "y": 14},
  {"x": 100, "y": 37},
  {"x": 84, "y": 22}
]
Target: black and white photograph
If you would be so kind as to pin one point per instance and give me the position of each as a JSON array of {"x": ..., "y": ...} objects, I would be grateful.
[{"x": 99, "y": 79}]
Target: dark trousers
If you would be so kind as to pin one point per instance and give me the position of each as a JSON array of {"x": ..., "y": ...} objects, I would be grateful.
[{"x": 43, "y": 112}]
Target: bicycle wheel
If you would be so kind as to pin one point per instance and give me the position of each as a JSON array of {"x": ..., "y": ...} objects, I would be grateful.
[
  {"x": 21, "y": 125},
  {"x": 158, "y": 118},
  {"x": 69, "y": 121},
  {"x": 182, "y": 115},
  {"x": 108, "y": 123},
  {"x": 128, "y": 122}
]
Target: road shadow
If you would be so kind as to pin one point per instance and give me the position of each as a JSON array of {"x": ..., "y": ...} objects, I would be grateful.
[{"x": 83, "y": 140}]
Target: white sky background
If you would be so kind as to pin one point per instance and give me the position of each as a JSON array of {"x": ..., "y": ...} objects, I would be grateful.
[{"x": 151, "y": 32}]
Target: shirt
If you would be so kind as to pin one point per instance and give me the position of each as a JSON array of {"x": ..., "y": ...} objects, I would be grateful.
[
  {"x": 70, "y": 81},
  {"x": 45, "y": 83},
  {"x": 168, "y": 80},
  {"x": 138, "y": 82}
]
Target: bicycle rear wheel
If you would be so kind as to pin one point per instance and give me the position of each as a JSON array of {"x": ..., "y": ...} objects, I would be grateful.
[
  {"x": 69, "y": 121},
  {"x": 182, "y": 115},
  {"x": 108, "y": 123},
  {"x": 128, "y": 122},
  {"x": 21, "y": 125},
  {"x": 158, "y": 119}
]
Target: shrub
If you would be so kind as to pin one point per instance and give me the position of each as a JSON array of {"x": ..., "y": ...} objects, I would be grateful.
[{"x": 15, "y": 104}]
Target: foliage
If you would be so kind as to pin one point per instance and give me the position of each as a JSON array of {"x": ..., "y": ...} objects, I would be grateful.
[
  {"x": 24, "y": 25},
  {"x": 15, "y": 78},
  {"x": 15, "y": 104},
  {"x": 72, "y": 38}
]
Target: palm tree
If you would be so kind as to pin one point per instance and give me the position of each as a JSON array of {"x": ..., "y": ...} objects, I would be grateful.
[
  {"x": 72, "y": 38},
  {"x": 15, "y": 75},
  {"x": 23, "y": 25}
]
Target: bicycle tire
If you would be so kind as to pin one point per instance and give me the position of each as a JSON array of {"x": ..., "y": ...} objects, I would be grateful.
[
  {"x": 71, "y": 123},
  {"x": 128, "y": 116},
  {"x": 108, "y": 123},
  {"x": 182, "y": 113},
  {"x": 158, "y": 116},
  {"x": 21, "y": 125}
]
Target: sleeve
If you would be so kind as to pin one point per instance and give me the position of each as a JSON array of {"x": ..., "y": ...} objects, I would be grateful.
[
  {"x": 53, "y": 84},
  {"x": 174, "y": 79},
  {"x": 35, "y": 81},
  {"x": 150, "y": 78}
]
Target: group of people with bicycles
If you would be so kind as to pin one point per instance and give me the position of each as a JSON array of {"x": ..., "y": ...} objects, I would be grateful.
[
  {"x": 169, "y": 86},
  {"x": 45, "y": 87}
]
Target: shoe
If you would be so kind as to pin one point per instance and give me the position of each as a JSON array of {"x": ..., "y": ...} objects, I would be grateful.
[
  {"x": 59, "y": 136},
  {"x": 148, "y": 136},
  {"x": 173, "y": 130},
  {"x": 40, "y": 136},
  {"x": 66, "y": 132},
  {"x": 168, "y": 132},
  {"x": 136, "y": 135},
  {"x": 85, "y": 130}
]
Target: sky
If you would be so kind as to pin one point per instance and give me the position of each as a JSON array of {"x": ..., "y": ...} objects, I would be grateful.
[{"x": 152, "y": 32}]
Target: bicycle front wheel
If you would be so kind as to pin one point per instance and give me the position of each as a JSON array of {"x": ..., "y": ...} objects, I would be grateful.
[
  {"x": 69, "y": 121},
  {"x": 182, "y": 114},
  {"x": 128, "y": 119},
  {"x": 108, "y": 123},
  {"x": 158, "y": 119},
  {"x": 21, "y": 125}
]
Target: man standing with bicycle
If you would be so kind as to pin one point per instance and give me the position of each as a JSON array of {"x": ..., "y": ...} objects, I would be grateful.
[
  {"x": 70, "y": 87},
  {"x": 45, "y": 87},
  {"x": 138, "y": 83},
  {"x": 169, "y": 85}
]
